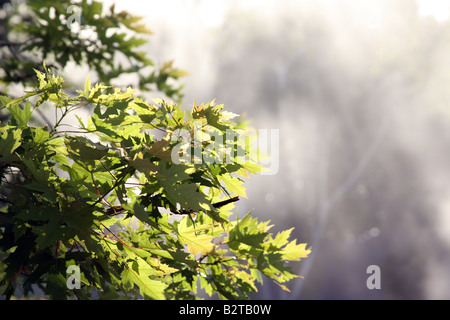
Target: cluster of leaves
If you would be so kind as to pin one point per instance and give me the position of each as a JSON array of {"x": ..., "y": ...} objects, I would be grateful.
[
  {"x": 107, "y": 197},
  {"x": 85, "y": 33}
]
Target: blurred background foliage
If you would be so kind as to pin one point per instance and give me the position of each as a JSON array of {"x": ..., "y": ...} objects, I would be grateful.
[{"x": 98, "y": 39}]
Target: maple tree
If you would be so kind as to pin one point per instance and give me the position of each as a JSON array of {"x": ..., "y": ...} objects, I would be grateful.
[{"x": 107, "y": 196}]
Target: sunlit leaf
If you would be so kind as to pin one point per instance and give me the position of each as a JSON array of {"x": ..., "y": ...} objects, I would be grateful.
[
  {"x": 106, "y": 196},
  {"x": 196, "y": 243},
  {"x": 137, "y": 273}
]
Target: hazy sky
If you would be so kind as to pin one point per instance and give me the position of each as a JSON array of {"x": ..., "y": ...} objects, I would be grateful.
[{"x": 212, "y": 11}]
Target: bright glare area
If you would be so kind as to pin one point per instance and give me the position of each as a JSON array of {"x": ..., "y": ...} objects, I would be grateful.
[
  {"x": 211, "y": 12},
  {"x": 439, "y": 9}
]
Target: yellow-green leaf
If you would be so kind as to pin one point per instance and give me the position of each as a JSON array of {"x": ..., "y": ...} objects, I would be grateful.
[
  {"x": 87, "y": 86},
  {"x": 234, "y": 185},
  {"x": 294, "y": 251},
  {"x": 196, "y": 243},
  {"x": 137, "y": 273}
]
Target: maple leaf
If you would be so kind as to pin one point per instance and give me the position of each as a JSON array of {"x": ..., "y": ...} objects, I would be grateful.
[
  {"x": 196, "y": 243},
  {"x": 160, "y": 149}
]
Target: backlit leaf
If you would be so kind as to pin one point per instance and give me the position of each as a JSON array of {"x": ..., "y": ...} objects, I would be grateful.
[
  {"x": 137, "y": 273},
  {"x": 196, "y": 243}
]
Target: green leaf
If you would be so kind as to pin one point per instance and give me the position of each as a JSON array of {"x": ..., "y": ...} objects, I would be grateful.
[
  {"x": 161, "y": 149},
  {"x": 56, "y": 286},
  {"x": 196, "y": 243},
  {"x": 143, "y": 109},
  {"x": 188, "y": 197},
  {"x": 281, "y": 238},
  {"x": 147, "y": 264},
  {"x": 234, "y": 185},
  {"x": 142, "y": 164},
  {"x": 173, "y": 174},
  {"x": 213, "y": 116},
  {"x": 248, "y": 231},
  {"x": 78, "y": 219},
  {"x": 85, "y": 149},
  {"x": 4, "y": 100},
  {"x": 130, "y": 130},
  {"x": 50, "y": 233},
  {"x": 185, "y": 194},
  {"x": 87, "y": 86},
  {"x": 294, "y": 251},
  {"x": 40, "y": 135},
  {"x": 252, "y": 167},
  {"x": 96, "y": 92},
  {"x": 273, "y": 266},
  {"x": 9, "y": 141},
  {"x": 22, "y": 116},
  {"x": 137, "y": 273}
]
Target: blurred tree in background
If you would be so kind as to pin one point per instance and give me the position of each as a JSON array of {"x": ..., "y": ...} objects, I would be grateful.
[{"x": 84, "y": 33}]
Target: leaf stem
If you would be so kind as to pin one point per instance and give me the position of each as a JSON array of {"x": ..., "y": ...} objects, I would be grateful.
[{"x": 118, "y": 239}]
